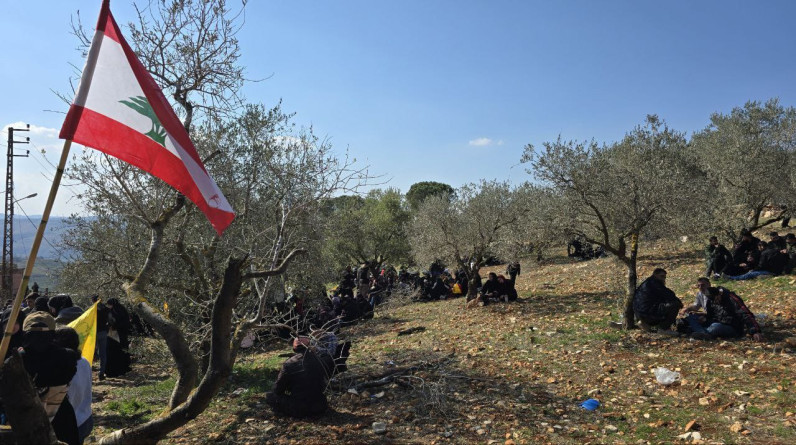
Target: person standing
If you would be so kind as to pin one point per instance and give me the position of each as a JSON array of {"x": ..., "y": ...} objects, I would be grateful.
[
  {"x": 102, "y": 335},
  {"x": 513, "y": 269},
  {"x": 118, "y": 339}
]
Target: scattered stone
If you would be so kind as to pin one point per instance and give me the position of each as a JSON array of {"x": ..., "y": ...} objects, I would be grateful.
[
  {"x": 737, "y": 427},
  {"x": 379, "y": 427},
  {"x": 611, "y": 428}
]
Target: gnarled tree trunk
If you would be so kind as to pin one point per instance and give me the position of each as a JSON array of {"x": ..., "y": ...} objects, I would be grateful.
[
  {"x": 218, "y": 371},
  {"x": 25, "y": 412}
]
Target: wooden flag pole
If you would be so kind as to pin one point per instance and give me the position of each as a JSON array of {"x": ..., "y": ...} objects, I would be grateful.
[{"x": 34, "y": 250}]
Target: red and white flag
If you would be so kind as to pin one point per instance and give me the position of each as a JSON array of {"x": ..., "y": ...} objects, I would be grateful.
[{"x": 120, "y": 110}]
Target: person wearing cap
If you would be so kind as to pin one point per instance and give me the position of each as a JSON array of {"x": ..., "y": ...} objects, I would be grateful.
[
  {"x": 298, "y": 389},
  {"x": 50, "y": 366},
  {"x": 30, "y": 302}
]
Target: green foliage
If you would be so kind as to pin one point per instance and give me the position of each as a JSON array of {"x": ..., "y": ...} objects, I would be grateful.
[
  {"x": 420, "y": 191},
  {"x": 370, "y": 229},
  {"x": 748, "y": 156},
  {"x": 478, "y": 222}
]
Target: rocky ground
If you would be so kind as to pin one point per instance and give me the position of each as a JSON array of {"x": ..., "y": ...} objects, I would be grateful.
[{"x": 517, "y": 372}]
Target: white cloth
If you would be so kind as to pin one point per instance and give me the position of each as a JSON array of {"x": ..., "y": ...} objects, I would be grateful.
[{"x": 80, "y": 391}]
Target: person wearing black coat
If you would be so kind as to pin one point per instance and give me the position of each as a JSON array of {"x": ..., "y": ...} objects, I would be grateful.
[
  {"x": 490, "y": 289},
  {"x": 772, "y": 262},
  {"x": 726, "y": 316},
  {"x": 118, "y": 362},
  {"x": 654, "y": 304},
  {"x": 299, "y": 387},
  {"x": 747, "y": 246}
]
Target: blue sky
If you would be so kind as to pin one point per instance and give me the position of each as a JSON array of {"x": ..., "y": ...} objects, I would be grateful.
[{"x": 449, "y": 91}]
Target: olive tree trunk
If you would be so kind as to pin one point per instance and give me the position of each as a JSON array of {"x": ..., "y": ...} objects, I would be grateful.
[
  {"x": 219, "y": 369},
  {"x": 632, "y": 281},
  {"x": 25, "y": 412}
]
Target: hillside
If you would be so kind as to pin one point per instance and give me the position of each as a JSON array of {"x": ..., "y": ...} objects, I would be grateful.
[
  {"x": 51, "y": 253},
  {"x": 516, "y": 372}
]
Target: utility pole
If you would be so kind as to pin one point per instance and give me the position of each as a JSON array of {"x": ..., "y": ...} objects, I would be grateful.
[{"x": 8, "y": 228}]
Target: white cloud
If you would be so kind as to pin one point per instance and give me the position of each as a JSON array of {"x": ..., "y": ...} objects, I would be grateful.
[
  {"x": 35, "y": 130},
  {"x": 485, "y": 142}
]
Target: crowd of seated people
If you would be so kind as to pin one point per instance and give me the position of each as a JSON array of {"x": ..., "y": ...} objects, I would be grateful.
[
  {"x": 751, "y": 257},
  {"x": 578, "y": 247}
]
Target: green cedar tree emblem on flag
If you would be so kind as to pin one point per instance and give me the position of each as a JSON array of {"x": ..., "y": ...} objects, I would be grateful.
[{"x": 141, "y": 105}]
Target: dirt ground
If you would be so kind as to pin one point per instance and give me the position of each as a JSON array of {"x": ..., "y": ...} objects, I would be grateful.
[{"x": 516, "y": 372}]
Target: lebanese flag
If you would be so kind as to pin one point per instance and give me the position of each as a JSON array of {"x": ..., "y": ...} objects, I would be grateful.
[{"x": 119, "y": 110}]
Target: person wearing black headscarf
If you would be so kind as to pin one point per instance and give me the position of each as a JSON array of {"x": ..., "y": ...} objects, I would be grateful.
[{"x": 118, "y": 339}]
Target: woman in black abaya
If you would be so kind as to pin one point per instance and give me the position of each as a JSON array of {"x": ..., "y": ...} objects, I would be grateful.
[{"x": 118, "y": 339}]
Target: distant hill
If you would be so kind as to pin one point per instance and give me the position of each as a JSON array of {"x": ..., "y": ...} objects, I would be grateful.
[
  {"x": 51, "y": 254},
  {"x": 25, "y": 231}
]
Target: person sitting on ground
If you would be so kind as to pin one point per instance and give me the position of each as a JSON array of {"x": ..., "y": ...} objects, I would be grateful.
[
  {"x": 298, "y": 390},
  {"x": 700, "y": 303},
  {"x": 717, "y": 257},
  {"x": 654, "y": 304},
  {"x": 507, "y": 290},
  {"x": 439, "y": 290},
  {"x": 790, "y": 251},
  {"x": 772, "y": 262},
  {"x": 777, "y": 240},
  {"x": 742, "y": 249},
  {"x": 491, "y": 288},
  {"x": 726, "y": 315}
]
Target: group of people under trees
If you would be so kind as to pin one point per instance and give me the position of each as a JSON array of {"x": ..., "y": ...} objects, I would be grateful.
[
  {"x": 751, "y": 257},
  {"x": 441, "y": 284},
  {"x": 49, "y": 349},
  {"x": 299, "y": 388},
  {"x": 716, "y": 311}
]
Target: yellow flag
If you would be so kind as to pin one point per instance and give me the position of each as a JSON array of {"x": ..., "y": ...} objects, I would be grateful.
[{"x": 86, "y": 327}]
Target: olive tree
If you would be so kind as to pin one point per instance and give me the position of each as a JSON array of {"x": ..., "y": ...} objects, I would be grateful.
[
  {"x": 465, "y": 230},
  {"x": 749, "y": 156},
  {"x": 612, "y": 194},
  {"x": 146, "y": 244},
  {"x": 368, "y": 230}
]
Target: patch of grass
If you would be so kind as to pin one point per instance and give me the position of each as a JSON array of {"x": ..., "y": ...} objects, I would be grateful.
[{"x": 129, "y": 407}]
